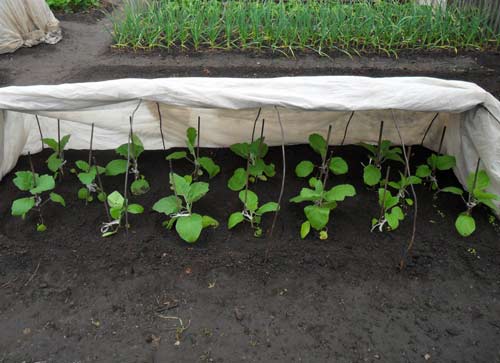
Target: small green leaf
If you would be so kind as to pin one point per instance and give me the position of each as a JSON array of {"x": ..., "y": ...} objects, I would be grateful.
[
  {"x": 168, "y": 205},
  {"x": 40, "y": 227},
  {"x": 307, "y": 195},
  {"x": 189, "y": 228},
  {"x": 116, "y": 167},
  {"x": 250, "y": 199},
  {"x": 116, "y": 200},
  {"x": 317, "y": 216},
  {"x": 54, "y": 163},
  {"x": 242, "y": 149},
  {"x": 51, "y": 143},
  {"x": 116, "y": 212},
  {"x": 180, "y": 184},
  {"x": 208, "y": 221},
  {"x": 304, "y": 168},
  {"x": 423, "y": 171},
  {"x": 305, "y": 228},
  {"x": 371, "y": 148},
  {"x": 176, "y": 155},
  {"x": 101, "y": 196},
  {"x": 82, "y": 165},
  {"x": 83, "y": 193},
  {"x": 24, "y": 180},
  {"x": 87, "y": 178},
  {"x": 318, "y": 144},
  {"x": 139, "y": 187},
  {"x": 210, "y": 167},
  {"x": 191, "y": 135},
  {"x": 56, "y": 198},
  {"x": 371, "y": 175},
  {"x": 238, "y": 180},
  {"x": 340, "y": 192},
  {"x": 135, "y": 208},
  {"x": 390, "y": 200},
  {"x": 64, "y": 141},
  {"x": 338, "y": 166},
  {"x": 197, "y": 191},
  {"x": 465, "y": 224},
  {"x": 445, "y": 162},
  {"x": 22, "y": 206},
  {"x": 414, "y": 180},
  {"x": 482, "y": 180},
  {"x": 235, "y": 219},
  {"x": 267, "y": 207},
  {"x": 43, "y": 184},
  {"x": 453, "y": 190},
  {"x": 409, "y": 201}
]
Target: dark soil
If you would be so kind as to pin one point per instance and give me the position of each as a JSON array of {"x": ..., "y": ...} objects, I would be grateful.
[{"x": 68, "y": 295}]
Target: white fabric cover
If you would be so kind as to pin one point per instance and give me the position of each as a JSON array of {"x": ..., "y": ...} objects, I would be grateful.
[
  {"x": 228, "y": 107},
  {"x": 24, "y": 23}
]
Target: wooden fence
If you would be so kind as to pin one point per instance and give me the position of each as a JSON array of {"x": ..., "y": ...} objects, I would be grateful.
[{"x": 490, "y": 7}]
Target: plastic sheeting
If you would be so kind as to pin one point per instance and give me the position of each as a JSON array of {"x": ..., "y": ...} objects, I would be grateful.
[
  {"x": 228, "y": 106},
  {"x": 24, "y": 23}
]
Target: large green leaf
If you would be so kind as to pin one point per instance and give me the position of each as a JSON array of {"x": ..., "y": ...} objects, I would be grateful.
[
  {"x": 22, "y": 206},
  {"x": 423, "y": 171},
  {"x": 24, "y": 180},
  {"x": 465, "y": 224},
  {"x": 238, "y": 180},
  {"x": 317, "y": 216},
  {"x": 64, "y": 141},
  {"x": 235, "y": 219},
  {"x": 189, "y": 228},
  {"x": 318, "y": 144},
  {"x": 306, "y": 195},
  {"x": 258, "y": 148},
  {"x": 305, "y": 228},
  {"x": 116, "y": 200},
  {"x": 176, "y": 155},
  {"x": 371, "y": 175},
  {"x": 139, "y": 187},
  {"x": 89, "y": 177},
  {"x": 56, "y": 198},
  {"x": 43, "y": 184},
  {"x": 445, "y": 162},
  {"x": 250, "y": 199},
  {"x": 339, "y": 192},
  {"x": 54, "y": 162},
  {"x": 82, "y": 165},
  {"x": 191, "y": 135},
  {"x": 241, "y": 149},
  {"x": 453, "y": 190},
  {"x": 304, "y": 168},
  {"x": 482, "y": 180},
  {"x": 116, "y": 167},
  {"x": 51, "y": 143},
  {"x": 168, "y": 205},
  {"x": 394, "y": 216},
  {"x": 179, "y": 184},
  {"x": 390, "y": 200},
  {"x": 197, "y": 191},
  {"x": 209, "y": 165},
  {"x": 116, "y": 213},
  {"x": 268, "y": 207},
  {"x": 338, "y": 166}
]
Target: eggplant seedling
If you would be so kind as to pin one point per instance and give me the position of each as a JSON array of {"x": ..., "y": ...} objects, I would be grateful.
[
  {"x": 477, "y": 183},
  {"x": 37, "y": 185},
  {"x": 118, "y": 207},
  {"x": 200, "y": 163},
  {"x": 372, "y": 172},
  {"x": 322, "y": 200},
  {"x": 251, "y": 211},
  {"x": 55, "y": 161},
  {"x": 119, "y": 166},
  {"x": 87, "y": 175},
  {"x": 179, "y": 208}
]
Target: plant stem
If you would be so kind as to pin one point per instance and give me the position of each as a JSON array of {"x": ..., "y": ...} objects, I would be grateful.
[
  {"x": 471, "y": 192},
  {"x": 125, "y": 191},
  {"x": 428, "y": 128},
  {"x": 101, "y": 188},
  {"x": 172, "y": 181},
  {"x": 324, "y": 168},
  {"x": 347, "y": 127},
  {"x": 40, "y": 130},
  {"x": 255, "y": 122},
  {"x": 379, "y": 145},
  {"x": 386, "y": 183},
  {"x": 442, "y": 139},
  {"x": 161, "y": 126},
  {"x": 39, "y": 208},
  {"x": 60, "y": 152}
]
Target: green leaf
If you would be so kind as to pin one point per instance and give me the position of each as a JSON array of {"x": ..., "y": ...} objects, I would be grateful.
[
  {"x": 110, "y": 233},
  {"x": 412, "y": 179},
  {"x": 135, "y": 208},
  {"x": 179, "y": 184},
  {"x": 168, "y": 205},
  {"x": 64, "y": 141},
  {"x": 371, "y": 148},
  {"x": 210, "y": 166},
  {"x": 465, "y": 224},
  {"x": 235, "y": 219},
  {"x": 176, "y": 155},
  {"x": 22, "y": 206},
  {"x": 338, "y": 166},
  {"x": 51, "y": 143},
  {"x": 241, "y": 149},
  {"x": 317, "y": 216},
  {"x": 304, "y": 168},
  {"x": 116, "y": 200},
  {"x": 197, "y": 191},
  {"x": 139, "y": 187},
  {"x": 54, "y": 163},
  {"x": 208, "y": 221},
  {"x": 101, "y": 196},
  {"x": 88, "y": 178},
  {"x": 445, "y": 162},
  {"x": 238, "y": 180},
  {"x": 56, "y": 198},
  {"x": 43, "y": 184},
  {"x": 482, "y": 180},
  {"x": 409, "y": 201},
  {"x": 189, "y": 228},
  {"x": 423, "y": 171},
  {"x": 83, "y": 193},
  {"x": 307, "y": 195},
  {"x": 82, "y": 165},
  {"x": 390, "y": 201},
  {"x": 116, "y": 212},
  {"x": 340, "y": 192},
  {"x": 116, "y": 167},
  {"x": 191, "y": 135},
  {"x": 305, "y": 228},
  {"x": 371, "y": 175},
  {"x": 101, "y": 170},
  {"x": 24, "y": 180},
  {"x": 267, "y": 207},
  {"x": 269, "y": 170},
  {"x": 394, "y": 216},
  {"x": 40, "y": 227},
  {"x": 318, "y": 144},
  {"x": 453, "y": 190},
  {"x": 252, "y": 200}
]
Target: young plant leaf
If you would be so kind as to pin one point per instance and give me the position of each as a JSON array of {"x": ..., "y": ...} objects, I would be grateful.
[
  {"x": 189, "y": 227},
  {"x": 445, "y": 162},
  {"x": 453, "y": 190},
  {"x": 54, "y": 162},
  {"x": 307, "y": 195},
  {"x": 43, "y": 184},
  {"x": 181, "y": 184},
  {"x": 318, "y": 144},
  {"x": 196, "y": 192},
  {"x": 82, "y": 165},
  {"x": 465, "y": 224},
  {"x": 394, "y": 216},
  {"x": 209, "y": 165},
  {"x": 51, "y": 143},
  {"x": 338, "y": 166},
  {"x": 482, "y": 181},
  {"x": 304, "y": 168},
  {"x": 267, "y": 207},
  {"x": 252, "y": 200},
  {"x": 116, "y": 200},
  {"x": 238, "y": 180},
  {"x": 56, "y": 198},
  {"x": 139, "y": 187},
  {"x": 208, "y": 221},
  {"x": 168, "y": 205},
  {"x": 339, "y": 192},
  {"x": 305, "y": 228},
  {"x": 423, "y": 171},
  {"x": 176, "y": 155},
  {"x": 241, "y": 149},
  {"x": 88, "y": 177},
  {"x": 24, "y": 180},
  {"x": 40, "y": 227},
  {"x": 235, "y": 219},
  {"x": 317, "y": 216},
  {"x": 371, "y": 175},
  {"x": 116, "y": 167},
  {"x": 64, "y": 141},
  {"x": 83, "y": 193},
  {"x": 22, "y": 206},
  {"x": 135, "y": 208}
]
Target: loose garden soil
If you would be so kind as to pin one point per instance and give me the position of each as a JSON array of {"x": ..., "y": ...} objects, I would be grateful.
[{"x": 68, "y": 295}]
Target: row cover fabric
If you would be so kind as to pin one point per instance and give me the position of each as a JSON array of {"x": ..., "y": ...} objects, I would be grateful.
[
  {"x": 25, "y": 23},
  {"x": 227, "y": 108}
]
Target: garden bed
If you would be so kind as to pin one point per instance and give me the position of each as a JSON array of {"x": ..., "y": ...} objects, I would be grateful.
[{"x": 68, "y": 294}]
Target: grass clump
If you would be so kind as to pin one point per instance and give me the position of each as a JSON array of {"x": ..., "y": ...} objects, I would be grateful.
[
  {"x": 71, "y": 6},
  {"x": 321, "y": 26}
]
